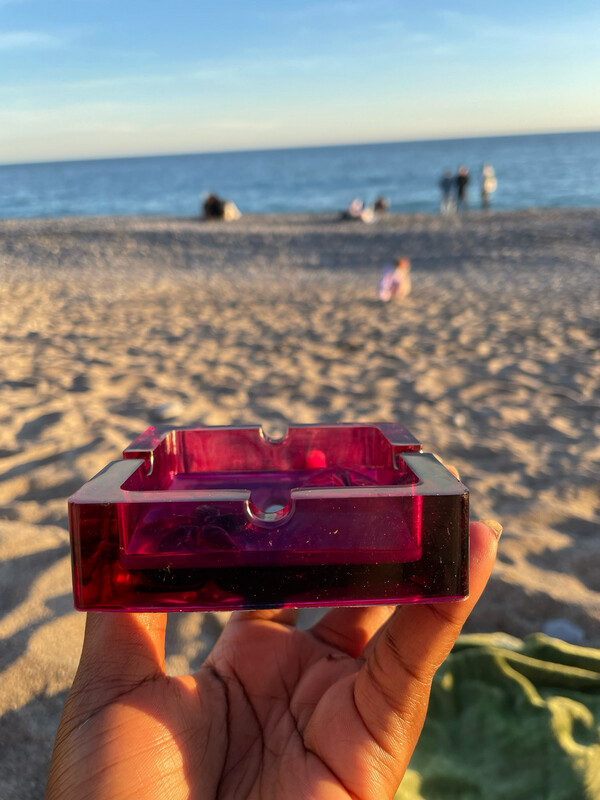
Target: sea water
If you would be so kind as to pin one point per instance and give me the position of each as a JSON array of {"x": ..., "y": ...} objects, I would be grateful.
[{"x": 550, "y": 170}]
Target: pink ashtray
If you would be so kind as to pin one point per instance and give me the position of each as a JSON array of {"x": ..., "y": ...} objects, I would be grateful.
[{"x": 224, "y": 518}]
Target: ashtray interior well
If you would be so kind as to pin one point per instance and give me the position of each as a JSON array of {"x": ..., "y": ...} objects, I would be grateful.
[
  {"x": 236, "y": 493},
  {"x": 245, "y": 459}
]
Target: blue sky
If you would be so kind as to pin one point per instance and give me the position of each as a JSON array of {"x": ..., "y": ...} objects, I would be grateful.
[{"x": 92, "y": 78}]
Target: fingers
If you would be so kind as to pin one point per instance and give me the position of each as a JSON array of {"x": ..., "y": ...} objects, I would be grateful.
[
  {"x": 122, "y": 649},
  {"x": 349, "y": 629},
  {"x": 120, "y": 652},
  {"x": 450, "y": 467},
  {"x": 392, "y": 688},
  {"x": 282, "y": 616}
]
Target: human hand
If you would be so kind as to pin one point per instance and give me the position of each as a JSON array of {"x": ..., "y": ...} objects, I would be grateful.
[{"x": 330, "y": 713}]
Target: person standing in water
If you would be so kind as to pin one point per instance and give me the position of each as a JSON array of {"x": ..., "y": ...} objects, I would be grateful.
[
  {"x": 488, "y": 184},
  {"x": 446, "y": 183},
  {"x": 462, "y": 181}
]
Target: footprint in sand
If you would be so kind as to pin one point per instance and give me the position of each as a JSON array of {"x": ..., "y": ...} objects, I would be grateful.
[
  {"x": 32, "y": 429},
  {"x": 80, "y": 383}
]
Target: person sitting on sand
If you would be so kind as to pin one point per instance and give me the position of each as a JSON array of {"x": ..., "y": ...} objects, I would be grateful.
[
  {"x": 359, "y": 211},
  {"x": 395, "y": 283},
  {"x": 356, "y": 208},
  {"x": 381, "y": 205},
  {"x": 215, "y": 207}
]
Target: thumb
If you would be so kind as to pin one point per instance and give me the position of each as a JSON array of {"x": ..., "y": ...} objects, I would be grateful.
[
  {"x": 392, "y": 688},
  {"x": 120, "y": 651}
]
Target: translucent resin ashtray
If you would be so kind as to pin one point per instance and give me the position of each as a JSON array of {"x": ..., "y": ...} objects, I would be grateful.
[{"x": 224, "y": 518}]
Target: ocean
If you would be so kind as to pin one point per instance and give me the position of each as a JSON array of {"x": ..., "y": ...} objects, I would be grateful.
[{"x": 544, "y": 171}]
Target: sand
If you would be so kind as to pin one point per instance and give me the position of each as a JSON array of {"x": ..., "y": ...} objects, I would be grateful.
[{"x": 107, "y": 325}]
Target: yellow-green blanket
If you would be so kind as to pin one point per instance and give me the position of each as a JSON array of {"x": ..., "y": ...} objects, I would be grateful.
[{"x": 510, "y": 720}]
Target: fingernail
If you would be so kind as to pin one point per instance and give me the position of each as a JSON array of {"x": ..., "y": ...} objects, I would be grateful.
[{"x": 494, "y": 525}]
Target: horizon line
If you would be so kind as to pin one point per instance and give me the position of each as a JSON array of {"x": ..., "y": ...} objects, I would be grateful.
[{"x": 284, "y": 148}]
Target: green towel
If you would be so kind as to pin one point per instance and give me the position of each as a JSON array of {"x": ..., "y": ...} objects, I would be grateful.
[{"x": 510, "y": 720}]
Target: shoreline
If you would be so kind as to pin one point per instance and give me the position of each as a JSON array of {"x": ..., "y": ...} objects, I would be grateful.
[{"x": 285, "y": 217}]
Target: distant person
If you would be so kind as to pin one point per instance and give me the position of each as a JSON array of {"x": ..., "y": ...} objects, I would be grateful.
[
  {"x": 359, "y": 211},
  {"x": 462, "y": 195},
  {"x": 488, "y": 184},
  {"x": 395, "y": 283},
  {"x": 381, "y": 205},
  {"x": 356, "y": 208},
  {"x": 231, "y": 212},
  {"x": 446, "y": 185},
  {"x": 215, "y": 207}
]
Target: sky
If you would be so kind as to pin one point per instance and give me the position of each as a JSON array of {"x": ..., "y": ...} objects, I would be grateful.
[{"x": 101, "y": 78}]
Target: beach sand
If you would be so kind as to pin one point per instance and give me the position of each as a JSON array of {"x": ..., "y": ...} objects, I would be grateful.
[{"x": 493, "y": 362}]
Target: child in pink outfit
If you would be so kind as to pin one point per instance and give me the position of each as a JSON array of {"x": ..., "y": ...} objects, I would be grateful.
[{"x": 395, "y": 281}]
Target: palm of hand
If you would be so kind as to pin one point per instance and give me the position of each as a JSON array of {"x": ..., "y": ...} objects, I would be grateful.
[
  {"x": 276, "y": 713},
  {"x": 295, "y": 727},
  {"x": 241, "y": 727}
]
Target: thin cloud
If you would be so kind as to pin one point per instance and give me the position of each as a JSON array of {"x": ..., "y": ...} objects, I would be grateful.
[
  {"x": 316, "y": 11},
  {"x": 484, "y": 27},
  {"x": 544, "y": 32},
  {"x": 220, "y": 72},
  {"x": 87, "y": 84},
  {"x": 18, "y": 40},
  {"x": 244, "y": 125}
]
